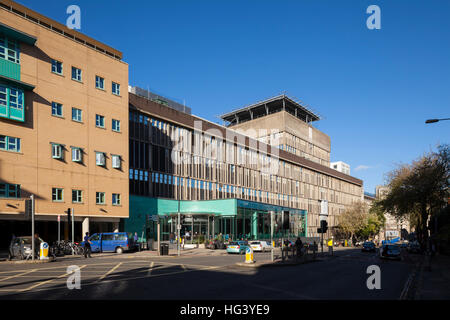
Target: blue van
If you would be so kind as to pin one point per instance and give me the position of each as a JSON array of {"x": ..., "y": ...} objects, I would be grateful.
[{"x": 112, "y": 242}]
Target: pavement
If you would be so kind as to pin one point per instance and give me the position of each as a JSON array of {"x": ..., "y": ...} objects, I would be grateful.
[
  {"x": 204, "y": 275},
  {"x": 434, "y": 283}
]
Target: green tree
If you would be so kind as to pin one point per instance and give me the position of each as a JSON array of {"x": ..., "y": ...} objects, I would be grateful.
[
  {"x": 353, "y": 219},
  {"x": 419, "y": 189}
]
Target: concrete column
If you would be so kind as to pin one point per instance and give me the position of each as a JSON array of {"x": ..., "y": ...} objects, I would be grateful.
[
  {"x": 116, "y": 226},
  {"x": 85, "y": 227}
]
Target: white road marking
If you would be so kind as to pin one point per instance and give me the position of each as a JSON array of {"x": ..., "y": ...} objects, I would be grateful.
[{"x": 150, "y": 269}]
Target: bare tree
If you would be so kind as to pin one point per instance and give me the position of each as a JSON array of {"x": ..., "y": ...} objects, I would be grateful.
[{"x": 354, "y": 218}]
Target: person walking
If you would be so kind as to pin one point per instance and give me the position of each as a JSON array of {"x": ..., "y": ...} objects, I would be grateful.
[
  {"x": 87, "y": 246},
  {"x": 37, "y": 245}
]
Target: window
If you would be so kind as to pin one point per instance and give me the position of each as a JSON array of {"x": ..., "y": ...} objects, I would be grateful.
[
  {"x": 76, "y": 74},
  {"x": 99, "y": 83},
  {"x": 100, "y": 159},
  {"x": 116, "y": 161},
  {"x": 115, "y": 125},
  {"x": 116, "y": 88},
  {"x": 100, "y": 198},
  {"x": 76, "y": 115},
  {"x": 116, "y": 199},
  {"x": 76, "y": 154},
  {"x": 77, "y": 196},
  {"x": 57, "y": 109},
  {"x": 99, "y": 121},
  {"x": 12, "y": 103},
  {"x": 9, "y": 49},
  {"x": 57, "y": 67},
  {"x": 57, "y": 151},
  {"x": 9, "y": 190},
  {"x": 9, "y": 143},
  {"x": 57, "y": 194}
]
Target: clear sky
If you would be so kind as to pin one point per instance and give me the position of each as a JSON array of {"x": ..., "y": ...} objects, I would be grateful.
[{"x": 374, "y": 88}]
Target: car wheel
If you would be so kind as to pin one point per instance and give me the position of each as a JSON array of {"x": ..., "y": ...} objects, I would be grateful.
[{"x": 119, "y": 250}]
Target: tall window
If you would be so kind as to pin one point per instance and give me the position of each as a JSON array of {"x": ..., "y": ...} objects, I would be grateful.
[
  {"x": 100, "y": 198},
  {"x": 76, "y": 154},
  {"x": 9, "y": 143},
  {"x": 116, "y": 161},
  {"x": 116, "y": 199},
  {"x": 76, "y": 74},
  {"x": 99, "y": 82},
  {"x": 57, "y": 67},
  {"x": 9, "y": 49},
  {"x": 57, "y": 194},
  {"x": 100, "y": 159},
  {"x": 115, "y": 125},
  {"x": 99, "y": 121},
  {"x": 57, "y": 151},
  {"x": 9, "y": 190},
  {"x": 116, "y": 88},
  {"x": 77, "y": 115},
  {"x": 77, "y": 196},
  {"x": 57, "y": 109}
]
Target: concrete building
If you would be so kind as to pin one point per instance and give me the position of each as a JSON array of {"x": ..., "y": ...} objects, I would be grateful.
[
  {"x": 227, "y": 181},
  {"x": 63, "y": 126},
  {"x": 341, "y": 167}
]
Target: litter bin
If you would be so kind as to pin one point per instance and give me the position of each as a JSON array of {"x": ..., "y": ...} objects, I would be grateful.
[{"x": 164, "y": 249}]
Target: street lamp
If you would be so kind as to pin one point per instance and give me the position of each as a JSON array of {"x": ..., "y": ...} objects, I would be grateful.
[{"x": 435, "y": 120}]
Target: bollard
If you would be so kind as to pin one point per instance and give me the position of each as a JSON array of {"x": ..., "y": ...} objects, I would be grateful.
[
  {"x": 249, "y": 255},
  {"x": 43, "y": 252}
]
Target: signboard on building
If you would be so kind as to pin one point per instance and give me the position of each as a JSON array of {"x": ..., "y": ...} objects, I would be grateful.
[{"x": 323, "y": 210}]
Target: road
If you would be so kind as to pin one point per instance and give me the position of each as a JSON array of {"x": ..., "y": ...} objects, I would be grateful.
[{"x": 137, "y": 276}]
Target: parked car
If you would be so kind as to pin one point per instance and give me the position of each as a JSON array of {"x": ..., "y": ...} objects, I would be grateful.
[
  {"x": 20, "y": 247},
  {"x": 237, "y": 247},
  {"x": 118, "y": 242},
  {"x": 215, "y": 244},
  {"x": 390, "y": 251},
  {"x": 368, "y": 246},
  {"x": 260, "y": 246}
]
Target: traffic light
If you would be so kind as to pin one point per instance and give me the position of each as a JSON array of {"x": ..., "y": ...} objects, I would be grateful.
[
  {"x": 28, "y": 209},
  {"x": 68, "y": 211},
  {"x": 324, "y": 226}
]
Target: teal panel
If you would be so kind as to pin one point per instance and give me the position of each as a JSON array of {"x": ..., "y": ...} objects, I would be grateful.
[
  {"x": 3, "y": 111},
  {"x": 9, "y": 69},
  {"x": 17, "y": 114},
  {"x": 16, "y": 34}
]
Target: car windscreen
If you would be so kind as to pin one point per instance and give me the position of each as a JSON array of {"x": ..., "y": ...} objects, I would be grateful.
[
  {"x": 234, "y": 243},
  {"x": 254, "y": 242},
  {"x": 26, "y": 240}
]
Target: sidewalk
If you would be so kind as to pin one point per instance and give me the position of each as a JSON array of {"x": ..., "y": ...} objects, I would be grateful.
[{"x": 435, "y": 284}]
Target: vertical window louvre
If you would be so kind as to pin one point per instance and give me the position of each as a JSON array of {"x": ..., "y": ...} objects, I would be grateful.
[{"x": 100, "y": 159}]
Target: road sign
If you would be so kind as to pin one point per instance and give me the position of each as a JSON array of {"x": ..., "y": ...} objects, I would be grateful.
[{"x": 179, "y": 227}]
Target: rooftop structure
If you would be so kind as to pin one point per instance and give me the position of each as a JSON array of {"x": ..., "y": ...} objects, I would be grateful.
[
  {"x": 159, "y": 99},
  {"x": 269, "y": 106}
]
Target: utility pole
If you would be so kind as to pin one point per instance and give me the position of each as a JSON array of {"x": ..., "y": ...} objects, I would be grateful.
[
  {"x": 73, "y": 231},
  {"x": 271, "y": 234},
  {"x": 178, "y": 230},
  {"x": 158, "y": 230},
  {"x": 32, "y": 227}
]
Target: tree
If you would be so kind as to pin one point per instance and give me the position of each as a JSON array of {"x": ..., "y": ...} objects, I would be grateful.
[
  {"x": 419, "y": 189},
  {"x": 353, "y": 219}
]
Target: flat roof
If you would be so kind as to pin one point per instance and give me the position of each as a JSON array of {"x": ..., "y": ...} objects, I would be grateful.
[
  {"x": 272, "y": 105},
  {"x": 53, "y": 25}
]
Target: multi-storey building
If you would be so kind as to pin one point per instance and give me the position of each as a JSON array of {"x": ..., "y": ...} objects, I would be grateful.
[
  {"x": 63, "y": 126},
  {"x": 225, "y": 181},
  {"x": 341, "y": 167}
]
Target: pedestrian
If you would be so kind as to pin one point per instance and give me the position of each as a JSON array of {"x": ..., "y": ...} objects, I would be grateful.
[
  {"x": 171, "y": 236},
  {"x": 37, "y": 245},
  {"x": 87, "y": 246},
  {"x": 135, "y": 237}
]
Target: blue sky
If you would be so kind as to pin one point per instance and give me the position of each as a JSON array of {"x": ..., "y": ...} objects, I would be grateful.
[{"x": 375, "y": 88}]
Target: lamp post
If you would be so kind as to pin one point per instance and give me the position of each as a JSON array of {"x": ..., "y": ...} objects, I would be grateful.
[{"x": 436, "y": 120}]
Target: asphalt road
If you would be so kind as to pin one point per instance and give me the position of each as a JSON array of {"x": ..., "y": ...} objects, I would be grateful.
[{"x": 137, "y": 276}]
